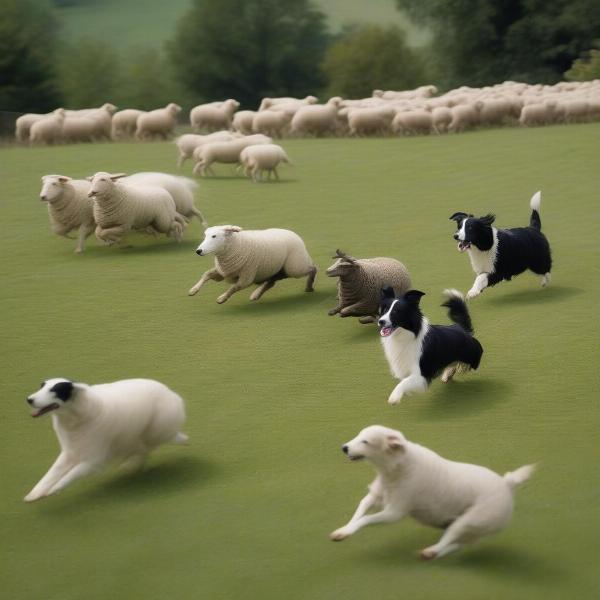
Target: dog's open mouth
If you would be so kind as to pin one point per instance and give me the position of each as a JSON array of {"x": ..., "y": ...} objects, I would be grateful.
[
  {"x": 386, "y": 331},
  {"x": 46, "y": 409},
  {"x": 462, "y": 246},
  {"x": 355, "y": 456}
]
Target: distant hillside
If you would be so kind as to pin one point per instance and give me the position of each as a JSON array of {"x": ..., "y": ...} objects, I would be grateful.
[{"x": 127, "y": 23}]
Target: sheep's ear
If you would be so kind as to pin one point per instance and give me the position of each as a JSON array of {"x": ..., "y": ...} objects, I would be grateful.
[
  {"x": 116, "y": 176},
  {"x": 395, "y": 444},
  {"x": 233, "y": 229},
  {"x": 487, "y": 219},
  {"x": 344, "y": 256},
  {"x": 458, "y": 217},
  {"x": 89, "y": 178},
  {"x": 63, "y": 178},
  {"x": 414, "y": 296},
  {"x": 387, "y": 292}
]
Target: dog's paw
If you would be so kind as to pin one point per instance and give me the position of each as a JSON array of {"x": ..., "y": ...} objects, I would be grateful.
[
  {"x": 394, "y": 399},
  {"x": 339, "y": 534},
  {"x": 428, "y": 553},
  {"x": 472, "y": 293}
]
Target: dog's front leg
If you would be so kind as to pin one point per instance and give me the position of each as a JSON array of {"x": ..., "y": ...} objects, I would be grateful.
[
  {"x": 480, "y": 283},
  {"x": 60, "y": 467},
  {"x": 77, "y": 472},
  {"x": 387, "y": 515},
  {"x": 413, "y": 383}
]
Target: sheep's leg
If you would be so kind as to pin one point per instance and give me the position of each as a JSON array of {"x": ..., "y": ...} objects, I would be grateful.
[
  {"x": 354, "y": 310},
  {"x": 310, "y": 280},
  {"x": 261, "y": 289},
  {"x": 367, "y": 320},
  {"x": 244, "y": 280},
  {"x": 111, "y": 235},
  {"x": 84, "y": 232},
  {"x": 210, "y": 274},
  {"x": 335, "y": 310},
  {"x": 275, "y": 173},
  {"x": 180, "y": 160}
]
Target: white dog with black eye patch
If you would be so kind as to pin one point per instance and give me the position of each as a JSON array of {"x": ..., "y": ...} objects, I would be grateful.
[
  {"x": 467, "y": 501},
  {"x": 95, "y": 424}
]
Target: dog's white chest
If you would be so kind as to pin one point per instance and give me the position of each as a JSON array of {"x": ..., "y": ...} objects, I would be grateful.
[
  {"x": 483, "y": 261},
  {"x": 403, "y": 351}
]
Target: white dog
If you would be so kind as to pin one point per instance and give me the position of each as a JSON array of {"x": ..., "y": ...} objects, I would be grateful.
[
  {"x": 120, "y": 421},
  {"x": 468, "y": 501}
]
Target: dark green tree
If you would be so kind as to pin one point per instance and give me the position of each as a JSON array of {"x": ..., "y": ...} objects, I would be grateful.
[
  {"x": 585, "y": 68},
  {"x": 372, "y": 57},
  {"x": 28, "y": 39},
  {"x": 481, "y": 42},
  {"x": 247, "y": 49}
]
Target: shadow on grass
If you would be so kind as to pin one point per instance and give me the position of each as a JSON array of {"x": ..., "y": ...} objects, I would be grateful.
[
  {"x": 273, "y": 305},
  {"x": 162, "y": 247},
  {"x": 535, "y": 296},
  {"x": 461, "y": 398},
  {"x": 490, "y": 558}
]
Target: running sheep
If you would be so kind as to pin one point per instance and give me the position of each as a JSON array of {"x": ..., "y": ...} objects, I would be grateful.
[
  {"x": 159, "y": 122},
  {"x": 262, "y": 157},
  {"x": 120, "y": 207},
  {"x": 124, "y": 123},
  {"x": 188, "y": 142},
  {"x": 48, "y": 130},
  {"x": 213, "y": 116},
  {"x": 246, "y": 257},
  {"x": 69, "y": 206},
  {"x": 361, "y": 281}
]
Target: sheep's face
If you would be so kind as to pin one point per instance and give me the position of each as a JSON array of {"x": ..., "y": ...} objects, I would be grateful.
[
  {"x": 52, "y": 395},
  {"x": 215, "y": 238},
  {"x": 102, "y": 183},
  {"x": 52, "y": 187},
  {"x": 340, "y": 268}
]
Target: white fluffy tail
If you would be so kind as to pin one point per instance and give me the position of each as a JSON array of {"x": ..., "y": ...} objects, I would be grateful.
[
  {"x": 519, "y": 476},
  {"x": 180, "y": 439},
  {"x": 536, "y": 201}
]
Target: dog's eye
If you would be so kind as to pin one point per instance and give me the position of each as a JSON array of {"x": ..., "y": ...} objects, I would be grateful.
[
  {"x": 214, "y": 236},
  {"x": 365, "y": 442}
]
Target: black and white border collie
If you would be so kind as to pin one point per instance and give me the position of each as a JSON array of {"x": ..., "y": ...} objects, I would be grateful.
[
  {"x": 498, "y": 254},
  {"x": 416, "y": 351}
]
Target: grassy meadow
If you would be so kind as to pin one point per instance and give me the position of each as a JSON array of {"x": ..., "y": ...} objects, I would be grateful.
[{"x": 274, "y": 388}]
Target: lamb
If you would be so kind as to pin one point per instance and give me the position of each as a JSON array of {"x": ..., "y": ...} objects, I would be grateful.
[
  {"x": 47, "y": 130},
  {"x": 317, "y": 119},
  {"x": 242, "y": 121},
  {"x": 124, "y": 123},
  {"x": 270, "y": 122},
  {"x": 441, "y": 117},
  {"x": 181, "y": 190},
  {"x": 120, "y": 207},
  {"x": 262, "y": 157},
  {"x": 69, "y": 206},
  {"x": 361, "y": 281},
  {"x": 213, "y": 117},
  {"x": 159, "y": 122},
  {"x": 224, "y": 152},
  {"x": 246, "y": 257},
  {"x": 412, "y": 122},
  {"x": 365, "y": 121},
  {"x": 188, "y": 142}
]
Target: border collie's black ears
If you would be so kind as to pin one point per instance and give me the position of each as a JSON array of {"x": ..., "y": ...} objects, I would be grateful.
[
  {"x": 387, "y": 292},
  {"x": 487, "y": 219},
  {"x": 413, "y": 296},
  {"x": 63, "y": 390},
  {"x": 458, "y": 217}
]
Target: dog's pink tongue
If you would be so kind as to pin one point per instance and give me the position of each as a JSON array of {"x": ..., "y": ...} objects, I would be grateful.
[
  {"x": 385, "y": 331},
  {"x": 36, "y": 413}
]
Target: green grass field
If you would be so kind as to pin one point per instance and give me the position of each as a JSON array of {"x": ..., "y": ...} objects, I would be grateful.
[
  {"x": 274, "y": 388},
  {"x": 127, "y": 23}
]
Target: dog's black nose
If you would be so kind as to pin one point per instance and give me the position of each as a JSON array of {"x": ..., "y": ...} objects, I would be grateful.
[
  {"x": 29, "y": 400},
  {"x": 455, "y": 236},
  {"x": 345, "y": 449},
  {"x": 199, "y": 252}
]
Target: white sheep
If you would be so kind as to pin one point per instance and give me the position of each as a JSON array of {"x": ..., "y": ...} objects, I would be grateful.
[
  {"x": 262, "y": 157},
  {"x": 79, "y": 129},
  {"x": 242, "y": 121},
  {"x": 181, "y": 190},
  {"x": 412, "y": 122},
  {"x": 159, "y": 122},
  {"x": 246, "y": 257},
  {"x": 465, "y": 116},
  {"x": 317, "y": 119},
  {"x": 188, "y": 142},
  {"x": 120, "y": 207},
  {"x": 370, "y": 121},
  {"x": 103, "y": 119},
  {"x": 47, "y": 130},
  {"x": 441, "y": 117},
  {"x": 69, "y": 206},
  {"x": 270, "y": 122},
  {"x": 24, "y": 122},
  {"x": 224, "y": 152},
  {"x": 267, "y": 103},
  {"x": 213, "y": 116},
  {"x": 537, "y": 114},
  {"x": 124, "y": 123}
]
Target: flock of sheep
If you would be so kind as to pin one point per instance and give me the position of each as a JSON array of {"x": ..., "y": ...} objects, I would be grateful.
[{"x": 409, "y": 112}]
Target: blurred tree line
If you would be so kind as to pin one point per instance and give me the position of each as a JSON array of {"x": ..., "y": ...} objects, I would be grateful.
[{"x": 248, "y": 49}]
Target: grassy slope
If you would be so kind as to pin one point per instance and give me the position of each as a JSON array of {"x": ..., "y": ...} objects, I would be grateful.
[
  {"x": 274, "y": 388},
  {"x": 150, "y": 22}
]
